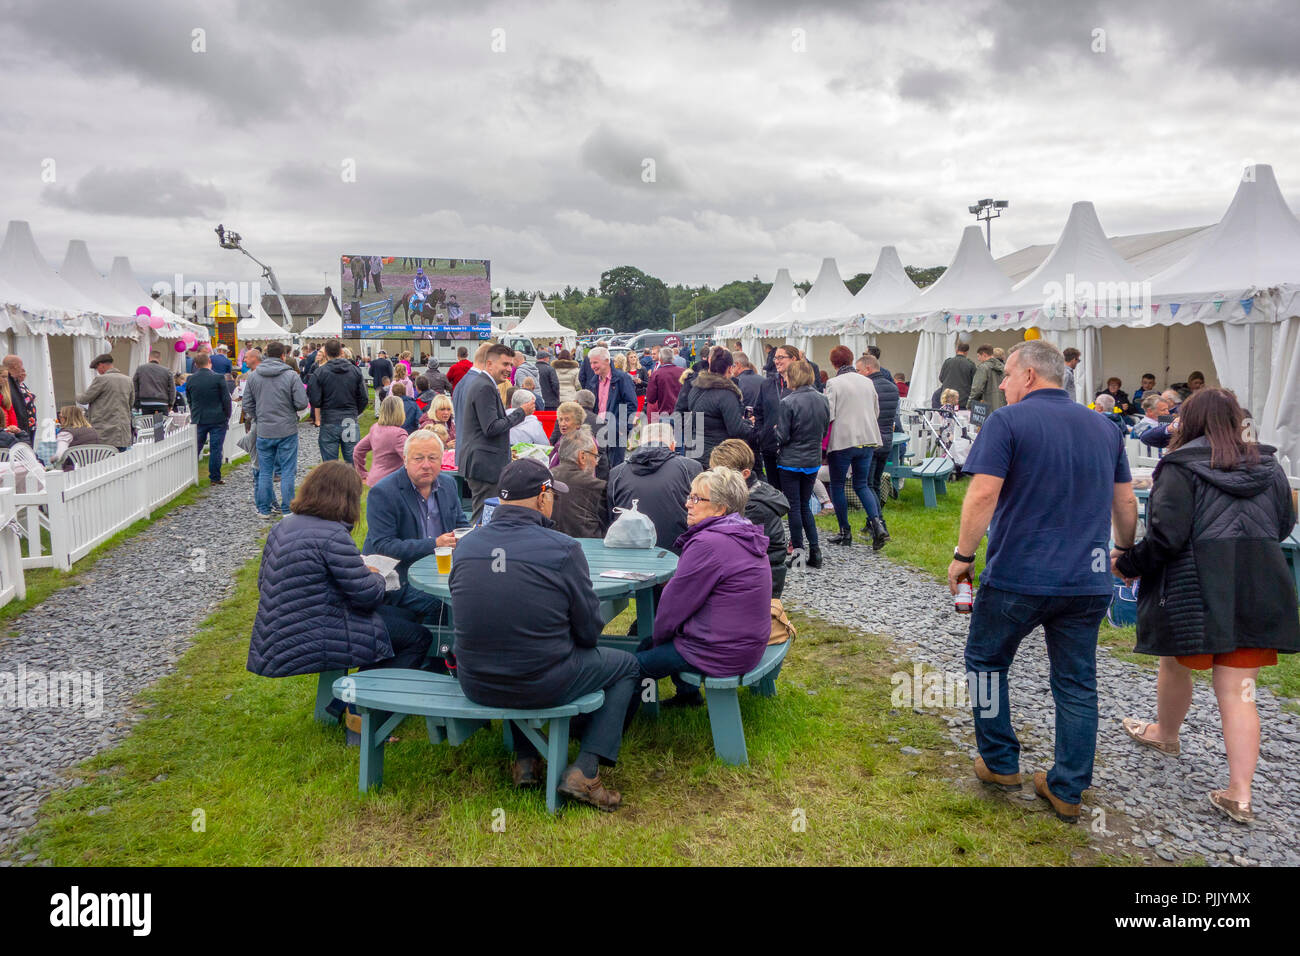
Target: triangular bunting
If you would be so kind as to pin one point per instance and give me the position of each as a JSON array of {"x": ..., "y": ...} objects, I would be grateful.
[
  {"x": 1247, "y": 304},
  {"x": 1173, "y": 308}
]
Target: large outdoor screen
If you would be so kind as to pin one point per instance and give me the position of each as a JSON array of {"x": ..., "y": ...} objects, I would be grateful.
[{"x": 410, "y": 297}]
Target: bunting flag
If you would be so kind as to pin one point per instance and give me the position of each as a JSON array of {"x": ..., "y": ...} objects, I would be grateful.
[
  {"x": 1218, "y": 305},
  {"x": 1021, "y": 314},
  {"x": 1247, "y": 304},
  {"x": 1173, "y": 308}
]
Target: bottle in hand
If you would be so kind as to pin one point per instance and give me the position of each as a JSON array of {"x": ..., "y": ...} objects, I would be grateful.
[{"x": 964, "y": 600}]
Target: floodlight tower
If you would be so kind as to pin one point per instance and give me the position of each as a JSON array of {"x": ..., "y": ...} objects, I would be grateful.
[
  {"x": 230, "y": 239},
  {"x": 988, "y": 210}
]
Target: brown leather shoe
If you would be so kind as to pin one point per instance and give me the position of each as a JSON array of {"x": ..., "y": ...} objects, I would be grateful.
[
  {"x": 1066, "y": 812},
  {"x": 1003, "y": 781},
  {"x": 577, "y": 786},
  {"x": 526, "y": 771}
]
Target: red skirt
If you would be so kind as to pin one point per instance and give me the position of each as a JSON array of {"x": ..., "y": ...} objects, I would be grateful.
[{"x": 1243, "y": 657}]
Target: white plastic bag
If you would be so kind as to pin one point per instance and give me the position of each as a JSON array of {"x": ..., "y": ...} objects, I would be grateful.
[{"x": 631, "y": 529}]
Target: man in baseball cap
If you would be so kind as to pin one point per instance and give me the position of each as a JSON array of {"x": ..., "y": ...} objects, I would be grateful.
[{"x": 527, "y": 625}]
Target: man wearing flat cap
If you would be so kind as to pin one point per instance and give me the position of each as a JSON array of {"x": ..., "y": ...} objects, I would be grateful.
[
  {"x": 108, "y": 400},
  {"x": 527, "y": 625}
]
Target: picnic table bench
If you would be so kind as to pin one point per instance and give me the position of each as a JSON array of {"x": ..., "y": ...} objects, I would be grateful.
[
  {"x": 897, "y": 470},
  {"x": 384, "y": 698},
  {"x": 723, "y": 701},
  {"x": 933, "y": 473}
]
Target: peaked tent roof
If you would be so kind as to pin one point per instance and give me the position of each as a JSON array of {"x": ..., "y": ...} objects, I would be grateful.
[
  {"x": 827, "y": 306},
  {"x": 79, "y": 271},
  {"x": 329, "y": 325},
  {"x": 123, "y": 280},
  {"x": 42, "y": 290},
  {"x": 540, "y": 324},
  {"x": 1256, "y": 245},
  {"x": 973, "y": 278},
  {"x": 260, "y": 327},
  {"x": 776, "y": 302},
  {"x": 1082, "y": 254},
  {"x": 889, "y": 286}
]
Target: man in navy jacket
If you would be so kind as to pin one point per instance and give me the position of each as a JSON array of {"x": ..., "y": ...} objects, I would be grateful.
[
  {"x": 408, "y": 514},
  {"x": 210, "y": 411},
  {"x": 528, "y": 626}
]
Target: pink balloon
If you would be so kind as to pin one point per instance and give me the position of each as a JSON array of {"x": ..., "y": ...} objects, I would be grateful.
[
  {"x": 143, "y": 310},
  {"x": 180, "y": 346},
  {"x": 189, "y": 338},
  {"x": 156, "y": 322}
]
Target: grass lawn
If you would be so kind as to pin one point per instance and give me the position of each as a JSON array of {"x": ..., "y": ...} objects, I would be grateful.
[
  {"x": 228, "y": 768},
  {"x": 924, "y": 538}
]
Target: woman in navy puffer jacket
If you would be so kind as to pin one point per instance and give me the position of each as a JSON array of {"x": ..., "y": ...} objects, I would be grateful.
[{"x": 318, "y": 604}]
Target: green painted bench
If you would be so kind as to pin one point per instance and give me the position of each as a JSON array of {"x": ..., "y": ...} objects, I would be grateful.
[
  {"x": 933, "y": 473},
  {"x": 722, "y": 696},
  {"x": 384, "y": 698}
]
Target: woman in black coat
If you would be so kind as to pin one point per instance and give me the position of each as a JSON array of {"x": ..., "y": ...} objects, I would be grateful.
[
  {"x": 768, "y": 409},
  {"x": 1215, "y": 590},
  {"x": 800, "y": 427},
  {"x": 318, "y": 602},
  {"x": 715, "y": 402}
]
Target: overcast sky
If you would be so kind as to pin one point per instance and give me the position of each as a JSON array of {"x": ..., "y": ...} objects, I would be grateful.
[{"x": 780, "y": 132}]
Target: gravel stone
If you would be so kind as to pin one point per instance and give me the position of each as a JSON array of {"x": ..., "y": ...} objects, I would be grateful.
[
  {"x": 866, "y": 592},
  {"x": 129, "y": 617}
]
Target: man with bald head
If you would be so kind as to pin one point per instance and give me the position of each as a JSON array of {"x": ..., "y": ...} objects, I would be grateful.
[{"x": 24, "y": 401}]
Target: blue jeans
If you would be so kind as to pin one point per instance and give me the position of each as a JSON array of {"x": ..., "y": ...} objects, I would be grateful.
[
  {"x": 216, "y": 452},
  {"x": 879, "y": 459},
  {"x": 331, "y": 440},
  {"x": 999, "y": 621},
  {"x": 275, "y": 454},
  {"x": 665, "y": 661},
  {"x": 838, "y": 462}
]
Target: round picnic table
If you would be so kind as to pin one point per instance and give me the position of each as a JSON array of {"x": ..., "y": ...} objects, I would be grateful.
[{"x": 614, "y": 593}]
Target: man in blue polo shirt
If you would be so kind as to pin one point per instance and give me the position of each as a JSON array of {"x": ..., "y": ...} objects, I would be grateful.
[{"x": 1051, "y": 476}]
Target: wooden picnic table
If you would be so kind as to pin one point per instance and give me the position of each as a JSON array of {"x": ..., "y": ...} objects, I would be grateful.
[{"x": 614, "y": 594}]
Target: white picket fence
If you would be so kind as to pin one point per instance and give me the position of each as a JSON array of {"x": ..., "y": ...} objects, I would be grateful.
[
  {"x": 13, "y": 587},
  {"x": 82, "y": 508}
]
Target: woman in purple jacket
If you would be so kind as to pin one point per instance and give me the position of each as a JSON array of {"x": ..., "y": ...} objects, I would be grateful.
[{"x": 715, "y": 616}]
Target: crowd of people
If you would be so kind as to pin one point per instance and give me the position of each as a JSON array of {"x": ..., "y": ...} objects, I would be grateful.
[{"x": 724, "y": 461}]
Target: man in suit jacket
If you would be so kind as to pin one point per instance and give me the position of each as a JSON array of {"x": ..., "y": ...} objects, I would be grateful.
[
  {"x": 380, "y": 369},
  {"x": 615, "y": 404},
  {"x": 409, "y": 513},
  {"x": 210, "y": 410},
  {"x": 483, "y": 427}
]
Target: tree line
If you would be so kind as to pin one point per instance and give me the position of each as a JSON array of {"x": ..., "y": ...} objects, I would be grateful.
[{"x": 628, "y": 299}]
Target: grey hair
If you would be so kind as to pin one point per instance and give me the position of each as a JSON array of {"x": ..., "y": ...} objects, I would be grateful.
[
  {"x": 598, "y": 352},
  {"x": 421, "y": 435},
  {"x": 741, "y": 359},
  {"x": 521, "y": 397},
  {"x": 869, "y": 361},
  {"x": 1149, "y": 402},
  {"x": 576, "y": 441},
  {"x": 726, "y": 487},
  {"x": 1043, "y": 357},
  {"x": 586, "y": 398},
  {"x": 665, "y": 354},
  {"x": 658, "y": 433},
  {"x": 1104, "y": 402}
]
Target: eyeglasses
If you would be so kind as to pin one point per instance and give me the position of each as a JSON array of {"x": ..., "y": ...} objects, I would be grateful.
[{"x": 696, "y": 499}]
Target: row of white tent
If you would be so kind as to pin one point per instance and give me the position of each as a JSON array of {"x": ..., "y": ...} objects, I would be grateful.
[{"x": 1233, "y": 297}]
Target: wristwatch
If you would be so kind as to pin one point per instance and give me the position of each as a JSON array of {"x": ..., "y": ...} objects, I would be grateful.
[{"x": 964, "y": 558}]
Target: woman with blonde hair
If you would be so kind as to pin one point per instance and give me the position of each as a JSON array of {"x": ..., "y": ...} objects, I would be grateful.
[
  {"x": 801, "y": 425},
  {"x": 440, "y": 413},
  {"x": 74, "y": 429},
  {"x": 386, "y": 439}
]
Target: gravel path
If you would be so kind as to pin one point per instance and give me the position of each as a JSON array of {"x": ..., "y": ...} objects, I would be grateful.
[
  {"x": 130, "y": 618},
  {"x": 1160, "y": 800}
]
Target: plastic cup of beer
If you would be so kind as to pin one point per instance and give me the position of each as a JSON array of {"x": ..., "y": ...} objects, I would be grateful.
[
  {"x": 461, "y": 532},
  {"x": 443, "y": 557}
]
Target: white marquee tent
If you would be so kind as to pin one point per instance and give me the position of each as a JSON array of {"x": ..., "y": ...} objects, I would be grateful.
[
  {"x": 328, "y": 326},
  {"x": 888, "y": 289},
  {"x": 260, "y": 327},
  {"x": 541, "y": 325},
  {"x": 824, "y": 311},
  {"x": 749, "y": 329}
]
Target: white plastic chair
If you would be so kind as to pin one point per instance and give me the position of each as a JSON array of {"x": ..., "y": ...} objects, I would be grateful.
[{"x": 88, "y": 454}]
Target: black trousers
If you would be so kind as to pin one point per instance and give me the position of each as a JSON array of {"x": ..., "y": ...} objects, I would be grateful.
[{"x": 601, "y": 732}]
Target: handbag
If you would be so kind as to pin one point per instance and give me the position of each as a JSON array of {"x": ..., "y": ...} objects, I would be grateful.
[{"x": 782, "y": 629}]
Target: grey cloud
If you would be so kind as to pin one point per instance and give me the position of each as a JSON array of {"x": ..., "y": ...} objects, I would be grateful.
[
  {"x": 621, "y": 160},
  {"x": 149, "y": 192},
  {"x": 929, "y": 85},
  {"x": 243, "y": 74}
]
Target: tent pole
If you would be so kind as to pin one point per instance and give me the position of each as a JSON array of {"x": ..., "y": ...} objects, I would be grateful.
[{"x": 1167, "y": 328}]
